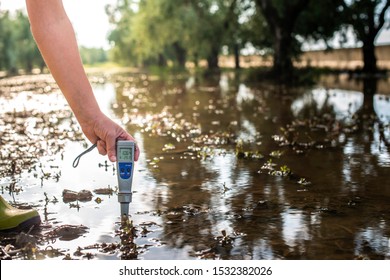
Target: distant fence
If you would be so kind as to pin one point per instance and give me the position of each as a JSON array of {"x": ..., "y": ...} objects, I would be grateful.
[{"x": 348, "y": 58}]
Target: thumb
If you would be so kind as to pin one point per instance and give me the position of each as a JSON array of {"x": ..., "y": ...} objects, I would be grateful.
[{"x": 111, "y": 149}]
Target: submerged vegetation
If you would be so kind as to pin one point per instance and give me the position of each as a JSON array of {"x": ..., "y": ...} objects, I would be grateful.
[
  {"x": 226, "y": 167},
  {"x": 28, "y": 133}
]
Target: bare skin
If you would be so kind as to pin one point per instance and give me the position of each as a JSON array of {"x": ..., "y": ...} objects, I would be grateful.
[{"x": 56, "y": 40}]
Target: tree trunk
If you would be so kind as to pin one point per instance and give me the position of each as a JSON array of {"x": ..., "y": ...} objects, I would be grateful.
[
  {"x": 181, "y": 54},
  {"x": 42, "y": 66},
  {"x": 212, "y": 59},
  {"x": 196, "y": 59},
  {"x": 236, "y": 49},
  {"x": 368, "y": 29},
  {"x": 369, "y": 57},
  {"x": 282, "y": 27},
  {"x": 283, "y": 66},
  {"x": 162, "y": 62},
  {"x": 29, "y": 65}
]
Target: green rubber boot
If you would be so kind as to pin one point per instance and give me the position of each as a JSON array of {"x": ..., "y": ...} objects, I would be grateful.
[{"x": 14, "y": 219}]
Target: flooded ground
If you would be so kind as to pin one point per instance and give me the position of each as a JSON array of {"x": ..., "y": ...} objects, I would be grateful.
[{"x": 228, "y": 170}]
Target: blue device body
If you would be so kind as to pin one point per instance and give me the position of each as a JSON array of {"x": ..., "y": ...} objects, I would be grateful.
[{"x": 125, "y": 170}]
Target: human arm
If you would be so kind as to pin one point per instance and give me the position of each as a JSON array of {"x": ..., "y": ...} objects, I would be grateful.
[{"x": 56, "y": 40}]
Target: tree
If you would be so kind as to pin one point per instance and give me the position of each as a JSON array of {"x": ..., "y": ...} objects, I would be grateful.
[
  {"x": 290, "y": 23},
  {"x": 151, "y": 33},
  {"x": 178, "y": 31},
  {"x": 367, "y": 17},
  {"x": 281, "y": 17},
  {"x": 7, "y": 44},
  {"x": 27, "y": 51},
  {"x": 232, "y": 27},
  {"x": 93, "y": 55},
  {"x": 18, "y": 50},
  {"x": 161, "y": 29},
  {"x": 314, "y": 25},
  {"x": 120, "y": 16},
  {"x": 218, "y": 26}
]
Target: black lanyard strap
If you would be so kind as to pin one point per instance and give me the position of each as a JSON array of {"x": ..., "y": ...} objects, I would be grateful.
[{"x": 77, "y": 159}]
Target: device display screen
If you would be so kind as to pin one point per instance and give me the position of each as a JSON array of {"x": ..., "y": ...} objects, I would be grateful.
[{"x": 125, "y": 154}]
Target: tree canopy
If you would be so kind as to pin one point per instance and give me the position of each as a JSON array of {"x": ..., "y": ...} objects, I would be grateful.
[
  {"x": 170, "y": 32},
  {"x": 17, "y": 46}
]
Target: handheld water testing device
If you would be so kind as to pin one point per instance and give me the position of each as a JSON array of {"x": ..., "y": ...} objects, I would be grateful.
[{"x": 125, "y": 151}]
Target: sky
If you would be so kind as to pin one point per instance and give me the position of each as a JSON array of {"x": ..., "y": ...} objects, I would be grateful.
[{"x": 91, "y": 25}]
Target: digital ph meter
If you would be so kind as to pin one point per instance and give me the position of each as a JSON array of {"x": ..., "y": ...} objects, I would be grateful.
[{"x": 125, "y": 151}]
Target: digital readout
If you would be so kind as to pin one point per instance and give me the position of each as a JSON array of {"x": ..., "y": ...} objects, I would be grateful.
[{"x": 125, "y": 154}]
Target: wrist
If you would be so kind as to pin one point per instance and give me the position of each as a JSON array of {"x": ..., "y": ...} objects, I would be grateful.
[{"x": 89, "y": 118}]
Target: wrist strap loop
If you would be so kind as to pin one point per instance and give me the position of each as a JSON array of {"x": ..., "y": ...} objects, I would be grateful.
[{"x": 77, "y": 159}]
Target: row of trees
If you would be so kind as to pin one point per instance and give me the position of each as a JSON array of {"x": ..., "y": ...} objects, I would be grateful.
[
  {"x": 17, "y": 47},
  {"x": 155, "y": 31},
  {"x": 91, "y": 56},
  {"x": 150, "y": 32},
  {"x": 18, "y": 50}
]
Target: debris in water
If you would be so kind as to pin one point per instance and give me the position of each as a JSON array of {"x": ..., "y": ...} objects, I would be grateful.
[
  {"x": 67, "y": 232},
  {"x": 69, "y": 196}
]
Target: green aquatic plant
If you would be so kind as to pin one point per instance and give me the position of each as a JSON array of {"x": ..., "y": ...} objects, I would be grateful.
[
  {"x": 243, "y": 154},
  {"x": 285, "y": 170},
  {"x": 276, "y": 154},
  {"x": 269, "y": 165},
  {"x": 303, "y": 181},
  {"x": 127, "y": 234}
]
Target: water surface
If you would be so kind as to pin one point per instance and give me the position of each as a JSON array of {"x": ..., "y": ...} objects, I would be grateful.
[{"x": 228, "y": 169}]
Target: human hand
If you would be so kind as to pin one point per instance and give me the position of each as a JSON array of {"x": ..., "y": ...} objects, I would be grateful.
[{"x": 103, "y": 131}]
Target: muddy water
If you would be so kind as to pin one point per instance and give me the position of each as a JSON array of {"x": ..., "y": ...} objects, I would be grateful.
[{"x": 228, "y": 170}]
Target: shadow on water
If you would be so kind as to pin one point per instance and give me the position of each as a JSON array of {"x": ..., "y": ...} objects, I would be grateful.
[{"x": 229, "y": 170}]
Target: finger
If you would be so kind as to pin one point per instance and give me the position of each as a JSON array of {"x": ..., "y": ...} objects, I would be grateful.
[
  {"x": 111, "y": 149},
  {"x": 137, "y": 152},
  {"x": 101, "y": 146},
  {"x": 126, "y": 136}
]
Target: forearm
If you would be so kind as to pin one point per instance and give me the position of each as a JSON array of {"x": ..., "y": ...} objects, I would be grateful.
[{"x": 56, "y": 40}]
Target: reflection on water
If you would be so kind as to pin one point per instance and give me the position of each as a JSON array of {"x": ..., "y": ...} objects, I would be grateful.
[
  {"x": 231, "y": 170},
  {"x": 342, "y": 102}
]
